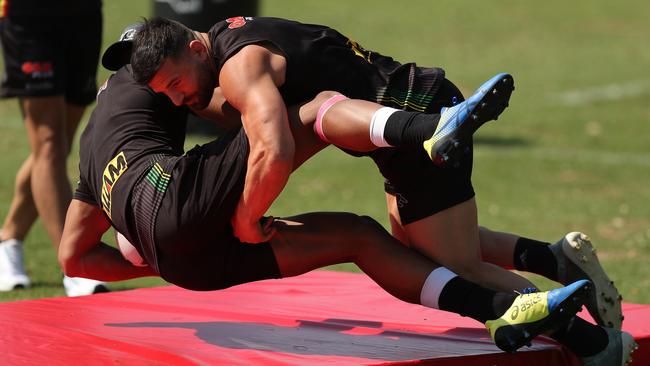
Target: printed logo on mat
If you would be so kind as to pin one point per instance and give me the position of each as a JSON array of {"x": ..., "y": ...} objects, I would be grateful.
[{"x": 113, "y": 171}]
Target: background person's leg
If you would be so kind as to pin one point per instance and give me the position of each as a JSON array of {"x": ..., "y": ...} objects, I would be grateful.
[
  {"x": 45, "y": 123},
  {"x": 22, "y": 212}
]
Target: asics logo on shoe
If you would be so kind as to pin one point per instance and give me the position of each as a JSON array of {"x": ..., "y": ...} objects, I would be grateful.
[{"x": 525, "y": 305}]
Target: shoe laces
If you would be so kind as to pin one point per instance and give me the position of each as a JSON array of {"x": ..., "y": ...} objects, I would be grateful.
[{"x": 527, "y": 290}]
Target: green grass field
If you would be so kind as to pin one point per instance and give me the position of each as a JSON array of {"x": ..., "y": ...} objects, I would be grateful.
[{"x": 571, "y": 153}]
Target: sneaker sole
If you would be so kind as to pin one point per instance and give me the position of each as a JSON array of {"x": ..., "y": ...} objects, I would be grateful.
[
  {"x": 493, "y": 103},
  {"x": 14, "y": 285},
  {"x": 100, "y": 289},
  {"x": 18, "y": 286},
  {"x": 512, "y": 337},
  {"x": 604, "y": 304},
  {"x": 629, "y": 346}
]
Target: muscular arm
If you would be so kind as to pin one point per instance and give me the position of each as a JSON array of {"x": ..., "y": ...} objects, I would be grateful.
[
  {"x": 83, "y": 254},
  {"x": 220, "y": 112},
  {"x": 249, "y": 82}
]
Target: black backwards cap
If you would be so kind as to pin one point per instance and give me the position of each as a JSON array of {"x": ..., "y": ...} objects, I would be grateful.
[{"x": 119, "y": 53}]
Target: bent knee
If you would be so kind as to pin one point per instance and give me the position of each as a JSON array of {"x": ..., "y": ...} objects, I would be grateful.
[
  {"x": 325, "y": 95},
  {"x": 471, "y": 269},
  {"x": 371, "y": 223},
  {"x": 365, "y": 227},
  {"x": 50, "y": 149}
]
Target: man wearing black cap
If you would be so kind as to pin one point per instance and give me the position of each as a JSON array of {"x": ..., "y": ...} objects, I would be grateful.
[{"x": 54, "y": 80}]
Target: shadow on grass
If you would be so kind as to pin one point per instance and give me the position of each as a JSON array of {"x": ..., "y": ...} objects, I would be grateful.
[
  {"x": 500, "y": 141},
  {"x": 54, "y": 283}
]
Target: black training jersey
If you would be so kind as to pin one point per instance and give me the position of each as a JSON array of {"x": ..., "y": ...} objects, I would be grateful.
[
  {"x": 129, "y": 126},
  {"x": 48, "y": 7},
  {"x": 318, "y": 57}
]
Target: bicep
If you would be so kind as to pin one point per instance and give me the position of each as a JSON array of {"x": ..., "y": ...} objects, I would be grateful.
[{"x": 250, "y": 80}]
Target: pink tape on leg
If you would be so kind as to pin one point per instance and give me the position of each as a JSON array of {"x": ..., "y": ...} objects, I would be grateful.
[{"x": 318, "y": 126}]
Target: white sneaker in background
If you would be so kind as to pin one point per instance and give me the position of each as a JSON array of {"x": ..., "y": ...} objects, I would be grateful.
[
  {"x": 12, "y": 269},
  {"x": 77, "y": 286}
]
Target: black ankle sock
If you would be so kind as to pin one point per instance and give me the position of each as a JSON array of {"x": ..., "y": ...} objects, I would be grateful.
[
  {"x": 536, "y": 257},
  {"x": 409, "y": 129},
  {"x": 468, "y": 299},
  {"x": 581, "y": 337}
]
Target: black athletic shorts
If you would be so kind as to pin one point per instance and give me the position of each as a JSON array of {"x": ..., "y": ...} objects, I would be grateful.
[
  {"x": 51, "y": 55},
  {"x": 421, "y": 188},
  {"x": 195, "y": 246}
]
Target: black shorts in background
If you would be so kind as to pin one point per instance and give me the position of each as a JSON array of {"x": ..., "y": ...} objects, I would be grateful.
[{"x": 51, "y": 56}]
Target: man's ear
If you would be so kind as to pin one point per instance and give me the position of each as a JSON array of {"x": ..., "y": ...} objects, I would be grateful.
[{"x": 197, "y": 47}]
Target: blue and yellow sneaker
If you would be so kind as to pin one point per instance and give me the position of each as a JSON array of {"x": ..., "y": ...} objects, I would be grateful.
[
  {"x": 533, "y": 314},
  {"x": 576, "y": 259},
  {"x": 457, "y": 124}
]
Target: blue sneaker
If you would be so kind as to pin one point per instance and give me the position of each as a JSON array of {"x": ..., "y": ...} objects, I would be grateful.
[
  {"x": 457, "y": 124},
  {"x": 533, "y": 314}
]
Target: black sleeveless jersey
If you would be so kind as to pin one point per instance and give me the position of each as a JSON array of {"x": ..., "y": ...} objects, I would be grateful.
[
  {"x": 130, "y": 125},
  {"x": 318, "y": 58}
]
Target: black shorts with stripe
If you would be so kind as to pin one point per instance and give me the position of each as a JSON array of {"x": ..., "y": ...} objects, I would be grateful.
[{"x": 192, "y": 237}]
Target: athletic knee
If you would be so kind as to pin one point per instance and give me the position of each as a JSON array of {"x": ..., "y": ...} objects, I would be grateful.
[
  {"x": 326, "y": 100},
  {"x": 49, "y": 148},
  {"x": 367, "y": 230},
  {"x": 371, "y": 224},
  {"x": 471, "y": 269},
  {"x": 323, "y": 96}
]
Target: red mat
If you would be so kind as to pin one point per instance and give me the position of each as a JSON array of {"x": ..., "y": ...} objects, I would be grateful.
[{"x": 320, "y": 318}]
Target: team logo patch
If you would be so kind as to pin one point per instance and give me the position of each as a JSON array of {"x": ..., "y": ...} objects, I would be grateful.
[
  {"x": 113, "y": 171},
  {"x": 359, "y": 51},
  {"x": 37, "y": 69},
  {"x": 236, "y": 22}
]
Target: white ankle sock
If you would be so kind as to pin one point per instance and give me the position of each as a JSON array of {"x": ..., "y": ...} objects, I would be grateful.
[
  {"x": 434, "y": 285},
  {"x": 378, "y": 124}
]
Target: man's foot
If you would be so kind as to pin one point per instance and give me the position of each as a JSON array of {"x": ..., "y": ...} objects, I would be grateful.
[
  {"x": 576, "y": 259},
  {"x": 457, "y": 124},
  {"x": 618, "y": 352},
  {"x": 533, "y": 314},
  {"x": 77, "y": 286},
  {"x": 12, "y": 269}
]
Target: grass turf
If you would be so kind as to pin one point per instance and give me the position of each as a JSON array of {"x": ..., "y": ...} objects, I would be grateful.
[{"x": 571, "y": 152}]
